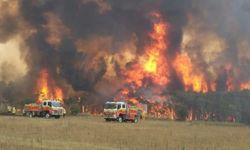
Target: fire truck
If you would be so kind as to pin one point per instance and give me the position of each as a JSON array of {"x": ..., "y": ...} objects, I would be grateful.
[
  {"x": 46, "y": 108},
  {"x": 121, "y": 112}
]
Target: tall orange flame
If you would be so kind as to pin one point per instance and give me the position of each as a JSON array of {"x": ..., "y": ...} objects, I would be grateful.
[
  {"x": 193, "y": 81},
  {"x": 46, "y": 87},
  {"x": 152, "y": 64}
]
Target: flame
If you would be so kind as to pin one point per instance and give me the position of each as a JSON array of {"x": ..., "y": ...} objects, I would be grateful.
[
  {"x": 58, "y": 93},
  {"x": 245, "y": 86},
  {"x": 42, "y": 84},
  {"x": 156, "y": 63},
  {"x": 171, "y": 114},
  {"x": 125, "y": 92},
  {"x": 46, "y": 88},
  {"x": 213, "y": 86},
  {"x": 134, "y": 101},
  {"x": 192, "y": 80},
  {"x": 153, "y": 51},
  {"x": 158, "y": 110},
  {"x": 230, "y": 84},
  {"x": 152, "y": 64}
]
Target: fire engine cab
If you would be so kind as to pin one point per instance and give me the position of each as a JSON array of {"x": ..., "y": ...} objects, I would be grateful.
[{"x": 121, "y": 112}]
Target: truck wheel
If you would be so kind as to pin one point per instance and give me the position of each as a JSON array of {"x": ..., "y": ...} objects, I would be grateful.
[
  {"x": 47, "y": 115},
  {"x": 43, "y": 114},
  {"x": 57, "y": 117},
  {"x": 120, "y": 119}
]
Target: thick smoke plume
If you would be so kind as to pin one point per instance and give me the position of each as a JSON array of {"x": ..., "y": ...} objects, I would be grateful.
[{"x": 86, "y": 44}]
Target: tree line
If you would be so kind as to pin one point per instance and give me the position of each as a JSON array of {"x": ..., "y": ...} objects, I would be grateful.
[{"x": 216, "y": 106}]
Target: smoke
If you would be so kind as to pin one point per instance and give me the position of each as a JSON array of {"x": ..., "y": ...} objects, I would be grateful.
[
  {"x": 12, "y": 66},
  {"x": 85, "y": 44},
  {"x": 216, "y": 35}
]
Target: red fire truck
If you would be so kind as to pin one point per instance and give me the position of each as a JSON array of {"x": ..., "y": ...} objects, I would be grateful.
[
  {"x": 47, "y": 109},
  {"x": 121, "y": 112}
]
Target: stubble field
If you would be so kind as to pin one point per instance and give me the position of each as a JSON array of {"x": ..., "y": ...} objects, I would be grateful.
[{"x": 90, "y": 133}]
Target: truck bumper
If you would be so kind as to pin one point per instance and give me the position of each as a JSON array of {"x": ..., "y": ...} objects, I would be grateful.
[
  {"x": 110, "y": 117},
  {"x": 56, "y": 114}
]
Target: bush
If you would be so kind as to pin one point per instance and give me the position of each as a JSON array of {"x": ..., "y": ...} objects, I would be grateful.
[
  {"x": 181, "y": 112},
  {"x": 245, "y": 118},
  {"x": 75, "y": 109}
]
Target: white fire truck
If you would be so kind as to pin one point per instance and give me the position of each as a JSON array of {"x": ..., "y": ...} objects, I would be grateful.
[
  {"x": 121, "y": 112},
  {"x": 46, "y": 108}
]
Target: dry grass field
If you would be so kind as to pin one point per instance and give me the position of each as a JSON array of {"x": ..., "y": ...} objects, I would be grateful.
[{"x": 90, "y": 133}]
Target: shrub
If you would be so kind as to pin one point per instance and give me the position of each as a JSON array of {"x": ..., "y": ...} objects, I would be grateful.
[
  {"x": 75, "y": 109},
  {"x": 245, "y": 117},
  {"x": 181, "y": 112}
]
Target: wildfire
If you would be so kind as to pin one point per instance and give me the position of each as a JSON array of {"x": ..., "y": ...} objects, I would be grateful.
[
  {"x": 151, "y": 69},
  {"x": 191, "y": 80},
  {"x": 152, "y": 64},
  {"x": 46, "y": 87},
  {"x": 159, "y": 110},
  {"x": 230, "y": 79},
  {"x": 245, "y": 86},
  {"x": 230, "y": 85}
]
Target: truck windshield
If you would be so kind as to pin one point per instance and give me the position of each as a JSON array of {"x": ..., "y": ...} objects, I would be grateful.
[
  {"x": 56, "y": 104},
  {"x": 110, "y": 106}
]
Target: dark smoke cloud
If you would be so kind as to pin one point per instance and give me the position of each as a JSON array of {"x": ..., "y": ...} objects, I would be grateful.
[
  {"x": 68, "y": 22},
  {"x": 83, "y": 21},
  {"x": 223, "y": 23},
  {"x": 9, "y": 21}
]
